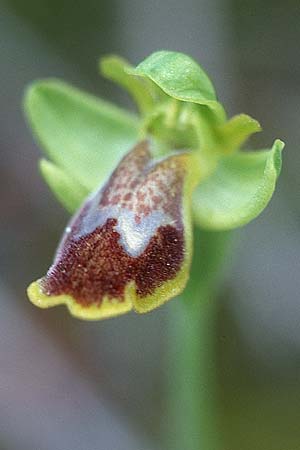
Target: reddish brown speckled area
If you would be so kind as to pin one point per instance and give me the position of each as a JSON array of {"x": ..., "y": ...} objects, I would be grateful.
[
  {"x": 95, "y": 260},
  {"x": 96, "y": 265},
  {"x": 141, "y": 187}
]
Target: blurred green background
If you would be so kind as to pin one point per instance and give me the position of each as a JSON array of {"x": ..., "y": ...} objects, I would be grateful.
[{"x": 67, "y": 384}]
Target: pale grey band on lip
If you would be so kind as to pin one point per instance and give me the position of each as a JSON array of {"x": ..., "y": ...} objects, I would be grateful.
[{"x": 134, "y": 237}]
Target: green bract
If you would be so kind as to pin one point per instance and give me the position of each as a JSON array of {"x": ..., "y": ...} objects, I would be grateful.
[{"x": 84, "y": 137}]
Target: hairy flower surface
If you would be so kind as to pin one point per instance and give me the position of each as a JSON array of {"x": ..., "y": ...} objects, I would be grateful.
[{"x": 128, "y": 246}]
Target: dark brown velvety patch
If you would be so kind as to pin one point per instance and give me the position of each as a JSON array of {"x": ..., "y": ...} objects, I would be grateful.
[{"x": 96, "y": 265}]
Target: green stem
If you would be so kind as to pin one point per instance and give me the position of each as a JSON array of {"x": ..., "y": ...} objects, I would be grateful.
[{"x": 192, "y": 415}]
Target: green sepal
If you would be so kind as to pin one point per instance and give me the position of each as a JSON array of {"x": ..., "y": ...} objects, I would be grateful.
[
  {"x": 238, "y": 190},
  {"x": 180, "y": 77},
  {"x": 84, "y": 136},
  {"x": 66, "y": 188}
]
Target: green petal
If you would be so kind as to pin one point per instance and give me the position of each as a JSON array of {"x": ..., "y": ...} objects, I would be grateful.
[
  {"x": 82, "y": 135},
  {"x": 66, "y": 189},
  {"x": 180, "y": 77},
  {"x": 239, "y": 189},
  {"x": 233, "y": 133},
  {"x": 116, "y": 69}
]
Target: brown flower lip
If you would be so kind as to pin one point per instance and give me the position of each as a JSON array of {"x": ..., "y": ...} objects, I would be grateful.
[{"x": 129, "y": 235}]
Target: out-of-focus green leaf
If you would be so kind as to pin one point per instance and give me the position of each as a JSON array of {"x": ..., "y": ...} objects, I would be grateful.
[
  {"x": 82, "y": 135},
  {"x": 66, "y": 189},
  {"x": 238, "y": 190},
  {"x": 180, "y": 77},
  {"x": 116, "y": 69}
]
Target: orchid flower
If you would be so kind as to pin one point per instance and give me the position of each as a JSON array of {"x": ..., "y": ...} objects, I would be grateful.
[{"x": 138, "y": 185}]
